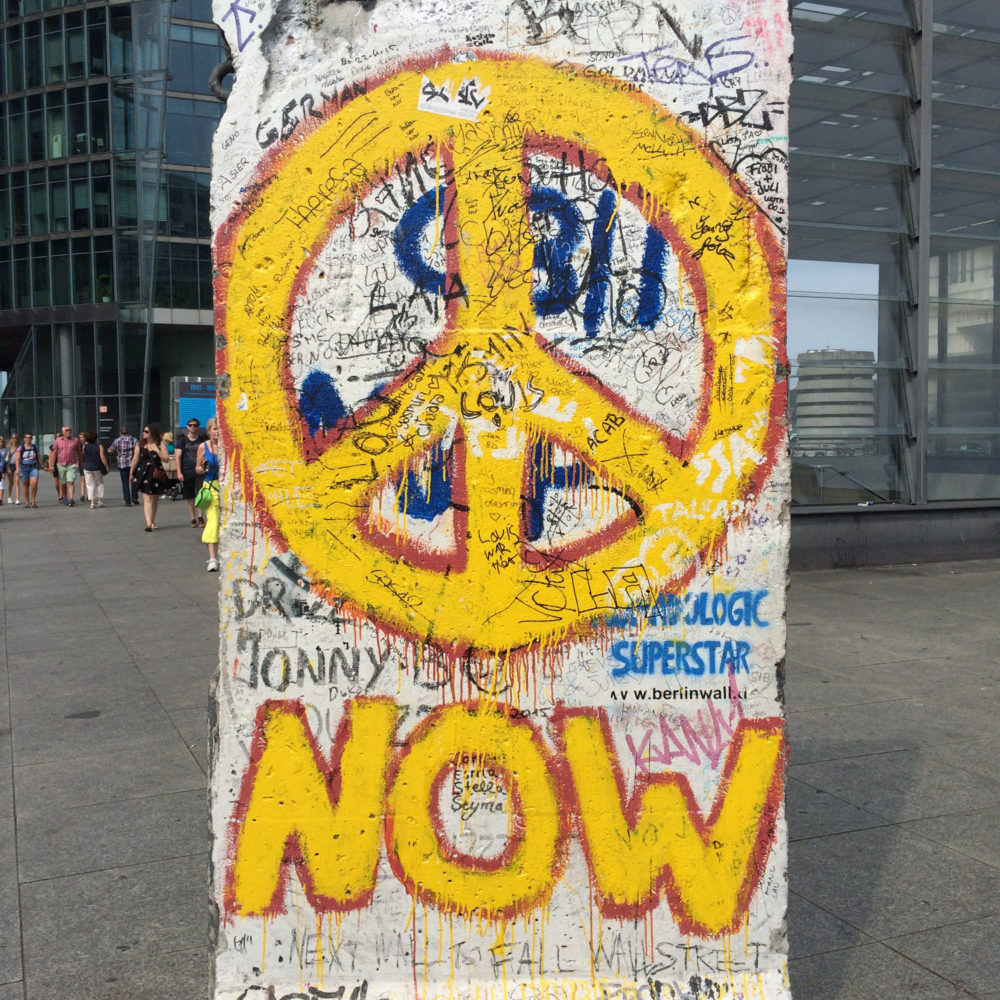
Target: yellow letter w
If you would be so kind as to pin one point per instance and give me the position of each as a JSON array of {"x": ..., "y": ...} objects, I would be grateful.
[
  {"x": 295, "y": 807},
  {"x": 659, "y": 840}
]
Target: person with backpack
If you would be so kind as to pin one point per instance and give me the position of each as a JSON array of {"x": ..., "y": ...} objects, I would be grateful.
[{"x": 26, "y": 469}]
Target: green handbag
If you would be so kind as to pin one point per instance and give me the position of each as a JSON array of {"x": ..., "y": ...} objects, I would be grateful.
[{"x": 204, "y": 498}]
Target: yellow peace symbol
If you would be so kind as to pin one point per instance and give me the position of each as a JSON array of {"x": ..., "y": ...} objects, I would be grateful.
[{"x": 684, "y": 493}]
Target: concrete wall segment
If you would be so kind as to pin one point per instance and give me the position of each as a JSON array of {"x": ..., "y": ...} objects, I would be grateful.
[{"x": 499, "y": 300}]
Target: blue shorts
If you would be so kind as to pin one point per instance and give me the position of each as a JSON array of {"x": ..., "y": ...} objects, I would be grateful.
[{"x": 31, "y": 472}]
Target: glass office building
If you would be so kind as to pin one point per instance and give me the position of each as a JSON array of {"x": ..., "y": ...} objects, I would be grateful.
[
  {"x": 106, "y": 124},
  {"x": 894, "y": 333},
  {"x": 894, "y": 330}
]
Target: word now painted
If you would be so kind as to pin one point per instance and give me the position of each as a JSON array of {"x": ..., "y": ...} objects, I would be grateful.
[{"x": 327, "y": 816}]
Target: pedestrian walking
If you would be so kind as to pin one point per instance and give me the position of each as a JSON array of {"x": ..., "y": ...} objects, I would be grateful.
[
  {"x": 27, "y": 470},
  {"x": 186, "y": 452},
  {"x": 81, "y": 478},
  {"x": 95, "y": 465},
  {"x": 4, "y": 456},
  {"x": 123, "y": 450},
  {"x": 67, "y": 455},
  {"x": 13, "y": 483},
  {"x": 147, "y": 472},
  {"x": 208, "y": 465},
  {"x": 51, "y": 467}
]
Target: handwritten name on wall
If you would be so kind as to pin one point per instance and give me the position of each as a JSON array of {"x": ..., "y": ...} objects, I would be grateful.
[{"x": 500, "y": 321}]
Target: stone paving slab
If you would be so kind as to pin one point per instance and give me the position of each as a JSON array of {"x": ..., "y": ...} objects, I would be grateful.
[{"x": 893, "y": 804}]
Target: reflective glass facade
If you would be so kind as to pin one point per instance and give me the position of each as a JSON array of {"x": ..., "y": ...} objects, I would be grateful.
[
  {"x": 894, "y": 233},
  {"x": 105, "y": 267},
  {"x": 894, "y": 335}
]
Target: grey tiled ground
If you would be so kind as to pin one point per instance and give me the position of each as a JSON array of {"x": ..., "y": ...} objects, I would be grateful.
[
  {"x": 111, "y": 635},
  {"x": 893, "y": 691},
  {"x": 893, "y": 795}
]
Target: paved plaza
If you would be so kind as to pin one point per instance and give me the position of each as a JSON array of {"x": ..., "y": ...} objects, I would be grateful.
[{"x": 110, "y": 638}]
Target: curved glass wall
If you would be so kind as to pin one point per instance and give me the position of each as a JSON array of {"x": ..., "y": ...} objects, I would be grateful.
[
  {"x": 963, "y": 383},
  {"x": 105, "y": 135},
  {"x": 893, "y": 184}
]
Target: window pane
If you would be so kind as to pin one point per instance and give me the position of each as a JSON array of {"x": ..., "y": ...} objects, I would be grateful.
[
  {"x": 206, "y": 53},
  {"x": 105, "y": 272},
  {"x": 845, "y": 123},
  {"x": 968, "y": 18},
  {"x": 133, "y": 357},
  {"x": 81, "y": 204},
  {"x": 181, "y": 77},
  {"x": 76, "y": 55},
  {"x": 39, "y": 210},
  {"x": 40, "y": 275},
  {"x": 125, "y": 195},
  {"x": 36, "y": 129},
  {"x": 99, "y": 138},
  {"x": 15, "y": 65},
  {"x": 43, "y": 348},
  {"x": 965, "y": 137},
  {"x": 182, "y": 207},
  {"x": 56, "y": 115},
  {"x": 62, "y": 293},
  {"x": 58, "y": 201},
  {"x": 121, "y": 41},
  {"x": 128, "y": 269},
  {"x": 205, "y": 292},
  {"x": 107, "y": 359},
  {"x": 54, "y": 60},
  {"x": 6, "y": 280},
  {"x": 17, "y": 141},
  {"x": 850, "y": 11},
  {"x": 98, "y": 58},
  {"x": 82, "y": 272},
  {"x": 22, "y": 277},
  {"x": 845, "y": 402},
  {"x": 5, "y": 221},
  {"x": 86, "y": 379},
  {"x": 33, "y": 54},
  {"x": 18, "y": 211},
  {"x": 848, "y": 193},
  {"x": 76, "y": 112},
  {"x": 102, "y": 202},
  {"x": 124, "y": 124}
]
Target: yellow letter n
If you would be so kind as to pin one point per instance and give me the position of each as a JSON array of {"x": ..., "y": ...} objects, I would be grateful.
[
  {"x": 657, "y": 840},
  {"x": 324, "y": 817}
]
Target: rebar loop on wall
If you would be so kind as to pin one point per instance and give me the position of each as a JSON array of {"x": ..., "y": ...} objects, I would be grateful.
[{"x": 216, "y": 77}]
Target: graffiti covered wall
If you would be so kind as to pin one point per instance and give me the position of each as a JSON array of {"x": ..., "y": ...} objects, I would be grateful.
[{"x": 500, "y": 321}]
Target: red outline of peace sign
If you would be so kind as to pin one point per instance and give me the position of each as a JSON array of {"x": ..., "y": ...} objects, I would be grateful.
[{"x": 319, "y": 501}]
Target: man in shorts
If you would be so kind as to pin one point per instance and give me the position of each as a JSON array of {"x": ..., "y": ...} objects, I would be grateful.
[
  {"x": 67, "y": 455},
  {"x": 186, "y": 453}
]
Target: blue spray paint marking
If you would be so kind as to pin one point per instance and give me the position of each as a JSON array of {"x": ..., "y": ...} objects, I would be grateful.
[
  {"x": 407, "y": 241},
  {"x": 654, "y": 257},
  {"x": 600, "y": 265},
  {"x": 319, "y": 402},
  {"x": 559, "y": 288},
  {"x": 425, "y": 500},
  {"x": 553, "y": 256},
  {"x": 547, "y": 477}
]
